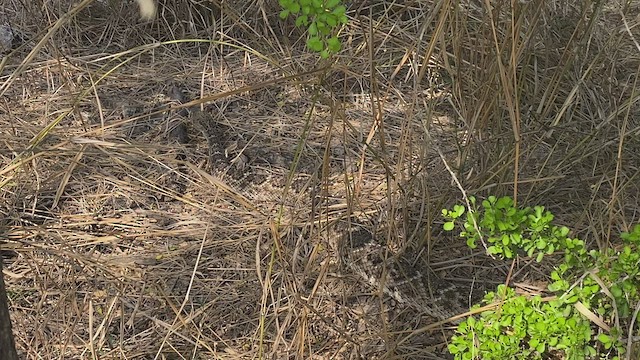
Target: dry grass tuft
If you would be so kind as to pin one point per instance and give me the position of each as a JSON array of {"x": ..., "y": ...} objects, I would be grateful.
[{"x": 121, "y": 242}]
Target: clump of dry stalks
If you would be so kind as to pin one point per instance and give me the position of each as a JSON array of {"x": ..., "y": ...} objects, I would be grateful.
[{"x": 104, "y": 258}]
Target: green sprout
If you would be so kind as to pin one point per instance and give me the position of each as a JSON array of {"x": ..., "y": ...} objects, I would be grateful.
[{"x": 321, "y": 18}]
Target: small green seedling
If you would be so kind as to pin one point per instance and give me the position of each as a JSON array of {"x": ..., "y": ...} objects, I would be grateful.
[{"x": 321, "y": 18}]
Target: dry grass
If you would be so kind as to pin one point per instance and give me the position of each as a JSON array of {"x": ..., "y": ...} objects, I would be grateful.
[{"x": 106, "y": 258}]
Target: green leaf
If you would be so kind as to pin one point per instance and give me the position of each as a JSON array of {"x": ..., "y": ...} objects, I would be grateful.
[
  {"x": 284, "y": 14},
  {"x": 324, "y": 53},
  {"x": 572, "y": 299},
  {"x": 294, "y": 8},
  {"x": 550, "y": 249},
  {"x": 322, "y": 27},
  {"x": 471, "y": 243},
  {"x": 448, "y": 226},
  {"x": 633, "y": 236},
  {"x": 331, "y": 20},
  {"x": 314, "y": 43},
  {"x": 471, "y": 321},
  {"x": 508, "y": 253},
  {"x": 616, "y": 291},
  {"x": 504, "y": 202},
  {"x": 302, "y": 20},
  {"x": 339, "y": 11},
  {"x": 606, "y": 340},
  {"x": 313, "y": 30},
  {"x": 530, "y": 251},
  {"x": 332, "y": 3}
]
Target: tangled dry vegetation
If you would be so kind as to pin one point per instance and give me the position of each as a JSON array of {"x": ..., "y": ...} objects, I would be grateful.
[{"x": 121, "y": 242}]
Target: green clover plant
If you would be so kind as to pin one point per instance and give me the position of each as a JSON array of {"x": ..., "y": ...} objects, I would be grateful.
[
  {"x": 520, "y": 327},
  {"x": 321, "y": 18}
]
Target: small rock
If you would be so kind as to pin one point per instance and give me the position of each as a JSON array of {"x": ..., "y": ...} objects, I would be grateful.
[{"x": 6, "y": 38}]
